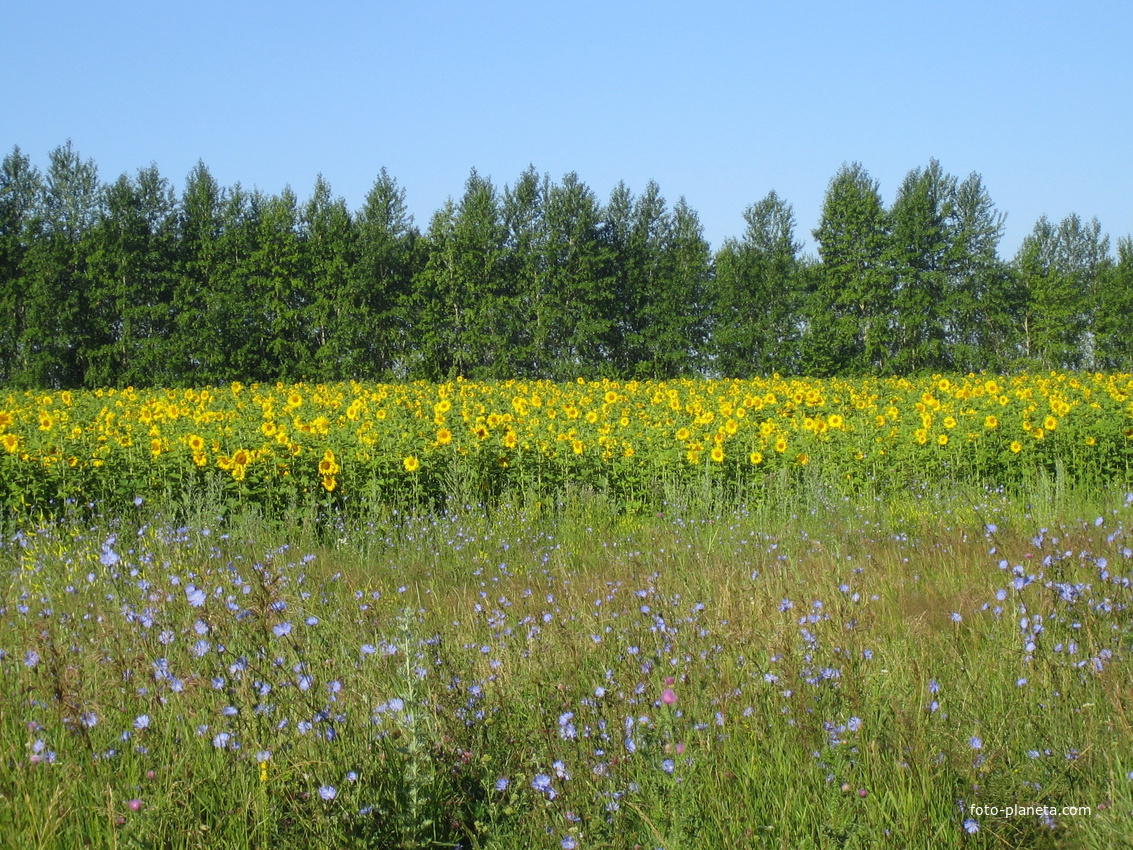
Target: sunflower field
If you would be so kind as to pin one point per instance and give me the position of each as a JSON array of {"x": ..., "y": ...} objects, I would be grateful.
[{"x": 344, "y": 444}]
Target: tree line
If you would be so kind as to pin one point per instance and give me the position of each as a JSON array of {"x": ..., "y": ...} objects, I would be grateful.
[{"x": 129, "y": 283}]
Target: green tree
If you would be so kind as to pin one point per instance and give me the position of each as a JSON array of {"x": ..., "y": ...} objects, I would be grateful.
[
  {"x": 982, "y": 301},
  {"x": 755, "y": 296},
  {"x": 676, "y": 306},
  {"x": 463, "y": 293},
  {"x": 576, "y": 316},
  {"x": 377, "y": 328},
  {"x": 196, "y": 350},
  {"x": 523, "y": 210},
  {"x": 919, "y": 241},
  {"x": 849, "y": 319},
  {"x": 55, "y": 341},
  {"x": 1113, "y": 319},
  {"x": 1057, "y": 268},
  {"x": 20, "y": 188},
  {"x": 274, "y": 277},
  {"x": 330, "y": 259}
]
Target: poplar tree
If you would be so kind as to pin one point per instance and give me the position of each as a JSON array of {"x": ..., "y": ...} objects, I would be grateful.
[
  {"x": 982, "y": 302},
  {"x": 918, "y": 254},
  {"x": 1113, "y": 319},
  {"x": 20, "y": 187},
  {"x": 577, "y": 315},
  {"x": 850, "y": 316},
  {"x": 377, "y": 330},
  {"x": 131, "y": 282},
  {"x": 330, "y": 253},
  {"x": 55, "y": 339},
  {"x": 1057, "y": 267},
  {"x": 755, "y": 297},
  {"x": 523, "y": 210}
]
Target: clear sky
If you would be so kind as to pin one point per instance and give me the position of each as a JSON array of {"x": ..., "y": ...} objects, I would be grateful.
[{"x": 720, "y": 101}]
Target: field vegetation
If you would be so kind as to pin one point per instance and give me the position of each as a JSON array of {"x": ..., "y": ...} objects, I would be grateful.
[{"x": 420, "y": 615}]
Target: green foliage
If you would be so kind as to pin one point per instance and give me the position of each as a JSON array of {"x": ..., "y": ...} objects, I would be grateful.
[
  {"x": 756, "y": 295},
  {"x": 130, "y": 283},
  {"x": 800, "y": 671},
  {"x": 848, "y": 319}
]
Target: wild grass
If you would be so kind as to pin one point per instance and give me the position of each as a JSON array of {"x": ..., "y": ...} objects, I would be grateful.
[{"x": 805, "y": 669}]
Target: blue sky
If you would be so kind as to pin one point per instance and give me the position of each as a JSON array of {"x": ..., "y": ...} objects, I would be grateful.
[{"x": 718, "y": 101}]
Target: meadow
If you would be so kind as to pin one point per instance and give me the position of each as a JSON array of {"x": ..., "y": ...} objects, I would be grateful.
[{"x": 567, "y": 616}]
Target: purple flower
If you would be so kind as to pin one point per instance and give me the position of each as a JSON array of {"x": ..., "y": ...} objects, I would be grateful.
[
  {"x": 196, "y": 596},
  {"x": 971, "y": 826},
  {"x": 281, "y": 629},
  {"x": 328, "y": 792},
  {"x": 542, "y": 783},
  {"x": 668, "y": 766},
  {"x": 502, "y": 783},
  {"x": 854, "y": 724},
  {"x": 975, "y": 742}
]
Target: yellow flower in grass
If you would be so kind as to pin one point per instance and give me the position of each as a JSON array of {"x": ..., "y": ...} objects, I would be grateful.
[
  {"x": 756, "y": 458},
  {"x": 1050, "y": 423},
  {"x": 717, "y": 454},
  {"x": 577, "y": 447},
  {"x": 991, "y": 422},
  {"x": 444, "y": 437},
  {"x": 1090, "y": 441},
  {"x": 329, "y": 483},
  {"x": 196, "y": 443},
  {"x": 1016, "y": 447},
  {"x": 241, "y": 458},
  {"x": 781, "y": 445},
  {"x": 942, "y": 439},
  {"x": 11, "y": 442},
  {"x": 411, "y": 464}
]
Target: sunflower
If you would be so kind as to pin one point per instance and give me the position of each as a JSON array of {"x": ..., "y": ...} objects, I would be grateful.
[
  {"x": 717, "y": 454},
  {"x": 991, "y": 422},
  {"x": 756, "y": 458},
  {"x": 411, "y": 464},
  {"x": 1016, "y": 447},
  {"x": 444, "y": 437},
  {"x": 1050, "y": 423}
]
